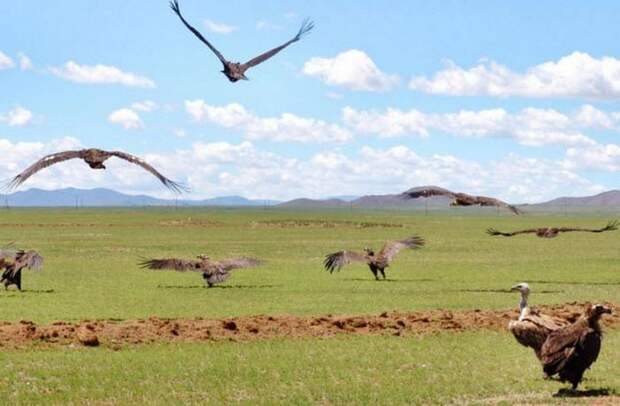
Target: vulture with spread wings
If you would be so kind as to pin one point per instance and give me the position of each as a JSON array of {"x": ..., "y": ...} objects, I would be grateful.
[
  {"x": 213, "y": 272},
  {"x": 95, "y": 159},
  {"x": 235, "y": 71},
  {"x": 459, "y": 199},
  {"x": 13, "y": 261},
  {"x": 334, "y": 262},
  {"x": 551, "y": 232}
]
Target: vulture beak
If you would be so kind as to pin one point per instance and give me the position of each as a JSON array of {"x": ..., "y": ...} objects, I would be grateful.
[
  {"x": 606, "y": 310},
  {"x": 515, "y": 288}
]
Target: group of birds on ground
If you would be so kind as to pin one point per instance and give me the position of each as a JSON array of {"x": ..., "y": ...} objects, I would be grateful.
[{"x": 564, "y": 349}]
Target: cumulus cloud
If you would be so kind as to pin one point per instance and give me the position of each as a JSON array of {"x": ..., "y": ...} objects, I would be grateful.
[
  {"x": 5, "y": 61},
  {"x": 575, "y": 75},
  {"x": 145, "y": 106},
  {"x": 219, "y": 28},
  {"x": 127, "y": 118},
  {"x": 352, "y": 69},
  {"x": 604, "y": 157},
  {"x": 17, "y": 117},
  {"x": 286, "y": 127},
  {"x": 24, "y": 62},
  {"x": 100, "y": 74}
]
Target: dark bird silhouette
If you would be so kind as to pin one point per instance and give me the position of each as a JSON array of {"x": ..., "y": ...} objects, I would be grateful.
[
  {"x": 213, "y": 272},
  {"x": 552, "y": 232},
  {"x": 95, "y": 159},
  {"x": 532, "y": 328},
  {"x": 14, "y": 261},
  {"x": 334, "y": 262},
  {"x": 571, "y": 350},
  {"x": 458, "y": 199},
  {"x": 235, "y": 71}
]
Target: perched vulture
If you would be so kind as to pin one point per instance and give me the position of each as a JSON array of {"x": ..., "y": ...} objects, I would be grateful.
[
  {"x": 333, "y": 262},
  {"x": 532, "y": 328},
  {"x": 213, "y": 272},
  {"x": 458, "y": 199},
  {"x": 551, "y": 232},
  {"x": 95, "y": 159},
  {"x": 235, "y": 71},
  {"x": 571, "y": 350},
  {"x": 14, "y": 261}
]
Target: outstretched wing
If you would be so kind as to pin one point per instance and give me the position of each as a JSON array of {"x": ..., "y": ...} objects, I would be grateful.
[
  {"x": 42, "y": 163},
  {"x": 306, "y": 26},
  {"x": 391, "y": 248},
  {"x": 176, "y": 264},
  {"x": 242, "y": 262},
  {"x": 174, "y": 5},
  {"x": 492, "y": 231},
  {"x": 611, "y": 226},
  {"x": 31, "y": 260},
  {"x": 427, "y": 192},
  {"x": 491, "y": 201},
  {"x": 174, "y": 186},
  {"x": 333, "y": 262}
]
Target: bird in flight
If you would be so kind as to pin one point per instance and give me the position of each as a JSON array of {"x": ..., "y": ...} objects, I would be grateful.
[
  {"x": 552, "y": 232},
  {"x": 95, "y": 159},
  {"x": 235, "y": 71},
  {"x": 14, "y": 261},
  {"x": 458, "y": 199}
]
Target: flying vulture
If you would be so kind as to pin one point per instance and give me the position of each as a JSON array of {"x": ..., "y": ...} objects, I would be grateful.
[
  {"x": 551, "y": 232},
  {"x": 213, "y": 272},
  {"x": 458, "y": 199},
  {"x": 95, "y": 159},
  {"x": 235, "y": 71},
  {"x": 14, "y": 261},
  {"x": 571, "y": 350},
  {"x": 532, "y": 328},
  {"x": 333, "y": 262}
]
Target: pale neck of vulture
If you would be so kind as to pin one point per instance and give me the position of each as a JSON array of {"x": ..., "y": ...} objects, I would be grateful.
[{"x": 525, "y": 310}]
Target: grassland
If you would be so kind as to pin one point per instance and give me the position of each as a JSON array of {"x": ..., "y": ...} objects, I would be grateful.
[{"x": 91, "y": 272}]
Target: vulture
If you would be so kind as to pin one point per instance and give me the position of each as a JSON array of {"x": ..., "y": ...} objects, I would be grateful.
[
  {"x": 235, "y": 71},
  {"x": 551, "y": 232},
  {"x": 14, "y": 261},
  {"x": 458, "y": 199},
  {"x": 532, "y": 328},
  {"x": 571, "y": 350},
  {"x": 213, "y": 272},
  {"x": 95, "y": 159},
  {"x": 334, "y": 262}
]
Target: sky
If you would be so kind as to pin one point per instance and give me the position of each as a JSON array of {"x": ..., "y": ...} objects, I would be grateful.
[{"x": 518, "y": 100}]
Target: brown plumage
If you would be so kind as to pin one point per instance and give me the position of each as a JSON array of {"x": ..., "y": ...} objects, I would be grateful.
[
  {"x": 235, "y": 71},
  {"x": 532, "y": 328},
  {"x": 14, "y": 261},
  {"x": 552, "y": 232},
  {"x": 458, "y": 199},
  {"x": 213, "y": 272},
  {"x": 334, "y": 262},
  {"x": 571, "y": 350},
  {"x": 95, "y": 159}
]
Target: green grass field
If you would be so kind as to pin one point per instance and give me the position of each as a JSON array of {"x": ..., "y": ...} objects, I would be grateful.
[{"x": 91, "y": 272}]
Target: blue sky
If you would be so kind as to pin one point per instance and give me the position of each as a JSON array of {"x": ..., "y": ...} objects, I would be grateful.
[{"x": 518, "y": 100}]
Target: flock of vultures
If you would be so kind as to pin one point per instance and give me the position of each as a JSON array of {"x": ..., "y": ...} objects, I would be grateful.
[{"x": 564, "y": 349}]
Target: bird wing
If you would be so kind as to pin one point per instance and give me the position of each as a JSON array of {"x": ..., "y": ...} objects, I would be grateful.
[
  {"x": 43, "y": 163},
  {"x": 176, "y": 264},
  {"x": 428, "y": 192},
  {"x": 216, "y": 275},
  {"x": 333, "y": 262},
  {"x": 491, "y": 201},
  {"x": 242, "y": 262},
  {"x": 611, "y": 226},
  {"x": 306, "y": 26},
  {"x": 560, "y": 345},
  {"x": 174, "y": 186},
  {"x": 31, "y": 260},
  {"x": 391, "y": 248},
  {"x": 174, "y": 5},
  {"x": 492, "y": 231}
]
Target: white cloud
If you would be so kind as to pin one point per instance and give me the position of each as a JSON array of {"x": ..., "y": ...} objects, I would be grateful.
[
  {"x": 5, "y": 61},
  {"x": 127, "y": 118},
  {"x": 100, "y": 74},
  {"x": 286, "y": 127},
  {"x": 266, "y": 25},
  {"x": 24, "y": 62},
  {"x": 219, "y": 28},
  {"x": 598, "y": 157},
  {"x": 352, "y": 69},
  {"x": 17, "y": 117},
  {"x": 575, "y": 75},
  {"x": 145, "y": 105}
]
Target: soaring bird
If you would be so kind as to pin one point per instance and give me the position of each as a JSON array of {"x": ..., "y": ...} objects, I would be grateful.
[
  {"x": 95, "y": 159},
  {"x": 532, "y": 328},
  {"x": 14, "y": 261},
  {"x": 213, "y": 272},
  {"x": 458, "y": 199},
  {"x": 571, "y": 350},
  {"x": 334, "y": 262},
  {"x": 552, "y": 232},
  {"x": 235, "y": 71}
]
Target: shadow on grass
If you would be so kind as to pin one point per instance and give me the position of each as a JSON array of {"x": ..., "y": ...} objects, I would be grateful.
[
  {"x": 578, "y": 283},
  {"x": 15, "y": 293},
  {"x": 503, "y": 291},
  {"x": 216, "y": 286},
  {"x": 590, "y": 393},
  {"x": 387, "y": 280}
]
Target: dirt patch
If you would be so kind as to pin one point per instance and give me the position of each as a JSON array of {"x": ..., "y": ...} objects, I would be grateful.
[
  {"x": 113, "y": 333},
  {"x": 322, "y": 224}
]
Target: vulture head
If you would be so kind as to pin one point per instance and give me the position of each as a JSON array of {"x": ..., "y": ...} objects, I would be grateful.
[
  {"x": 522, "y": 287},
  {"x": 203, "y": 257},
  {"x": 369, "y": 252},
  {"x": 597, "y": 310}
]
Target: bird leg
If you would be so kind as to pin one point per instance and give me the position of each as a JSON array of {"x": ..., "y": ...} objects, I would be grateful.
[
  {"x": 374, "y": 272},
  {"x": 382, "y": 272}
]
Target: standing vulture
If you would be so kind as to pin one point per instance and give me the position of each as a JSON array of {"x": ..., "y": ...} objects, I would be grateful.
[
  {"x": 213, "y": 272},
  {"x": 235, "y": 71},
  {"x": 333, "y": 262},
  {"x": 95, "y": 159},
  {"x": 551, "y": 232},
  {"x": 532, "y": 328},
  {"x": 571, "y": 350},
  {"x": 14, "y": 261},
  {"x": 458, "y": 199}
]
